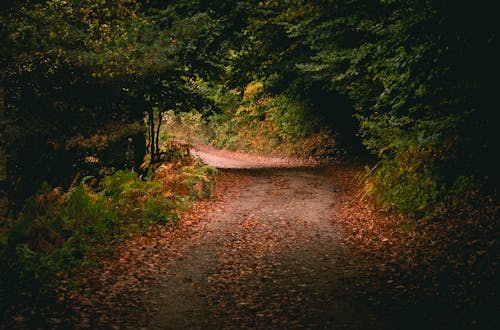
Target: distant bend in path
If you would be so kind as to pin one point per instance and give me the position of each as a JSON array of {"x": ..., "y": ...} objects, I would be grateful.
[{"x": 226, "y": 159}]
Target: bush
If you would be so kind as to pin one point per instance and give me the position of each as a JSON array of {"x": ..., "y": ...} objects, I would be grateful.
[
  {"x": 423, "y": 168},
  {"x": 57, "y": 233},
  {"x": 256, "y": 122}
]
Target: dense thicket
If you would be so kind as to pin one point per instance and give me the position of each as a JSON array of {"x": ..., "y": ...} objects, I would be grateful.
[
  {"x": 80, "y": 77},
  {"x": 413, "y": 79},
  {"x": 418, "y": 76}
]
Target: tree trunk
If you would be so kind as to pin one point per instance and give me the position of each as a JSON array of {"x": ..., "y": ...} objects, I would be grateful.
[
  {"x": 139, "y": 146},
  {"x": 3, "y": 164},
  {"x": 150, "y": 145},
  {"x": 158, "y": 135}
]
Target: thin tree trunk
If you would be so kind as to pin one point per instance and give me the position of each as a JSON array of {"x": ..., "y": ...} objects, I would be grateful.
[
  {"x": 151, "y": 137},
  {"x": 3, "y": 164},
  {"x": 139, "y": 146},
  {"x": 3, "y": 170},
  {"x": 158, "y": 135}
]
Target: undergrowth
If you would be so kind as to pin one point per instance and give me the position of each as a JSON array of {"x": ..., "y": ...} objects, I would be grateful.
[
  {"x": 57, "y": 233},
  {"x": 253, "y": 121}
]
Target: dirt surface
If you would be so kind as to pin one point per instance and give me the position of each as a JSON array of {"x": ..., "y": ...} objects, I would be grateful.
[
  {"x": 285, "y": 244},
  {"x": 270, "y": 256},
  {"x": 225, "y": 159}
]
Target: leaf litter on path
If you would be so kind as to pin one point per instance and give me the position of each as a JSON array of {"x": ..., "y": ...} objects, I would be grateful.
[{"x": 292, "y": 248}]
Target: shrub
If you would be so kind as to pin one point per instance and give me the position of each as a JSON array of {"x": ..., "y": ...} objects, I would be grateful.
[
  {"x": 254, "y": 121},
  {"x": 57, "y": 233}
]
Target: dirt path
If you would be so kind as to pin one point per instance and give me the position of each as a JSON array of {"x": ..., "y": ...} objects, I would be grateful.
[
  {"x": 269, "y": 257},
  {"x": 225, "y": 159},
  {"x": 287, "y": 245}
]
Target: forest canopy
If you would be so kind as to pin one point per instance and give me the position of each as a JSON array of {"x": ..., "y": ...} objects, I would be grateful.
[{"x": 409, "y": 81}]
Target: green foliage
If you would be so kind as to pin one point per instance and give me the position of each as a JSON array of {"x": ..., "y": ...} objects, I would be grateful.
[
  {"x": 80, "y": 76},
  {"x": 255, "y": 121},
  {"x": 194, "y": 123},
  {"x": 57, "y": 233},
  {"x": 418, "y": 76},
  {"x": 406, "y": 189},
  {"x": 199, "y": 180},
  {"x": 292, "y": 119}
]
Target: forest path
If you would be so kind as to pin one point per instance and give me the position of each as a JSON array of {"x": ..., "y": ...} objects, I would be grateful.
[
  {"x": 225, "y": 159},
  {"x": 269, "y": 255},
  {"x": 281, "y": 244}
]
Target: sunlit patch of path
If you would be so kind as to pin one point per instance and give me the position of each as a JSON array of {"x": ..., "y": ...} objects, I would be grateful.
[{"x": 236, "y": 160}]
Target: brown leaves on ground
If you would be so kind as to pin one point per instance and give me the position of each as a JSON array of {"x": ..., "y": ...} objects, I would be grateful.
[
  {"x": 439, "y": 274},
  {"x": 445, "y": 270},
  {"x": 115, "y": 293}
]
